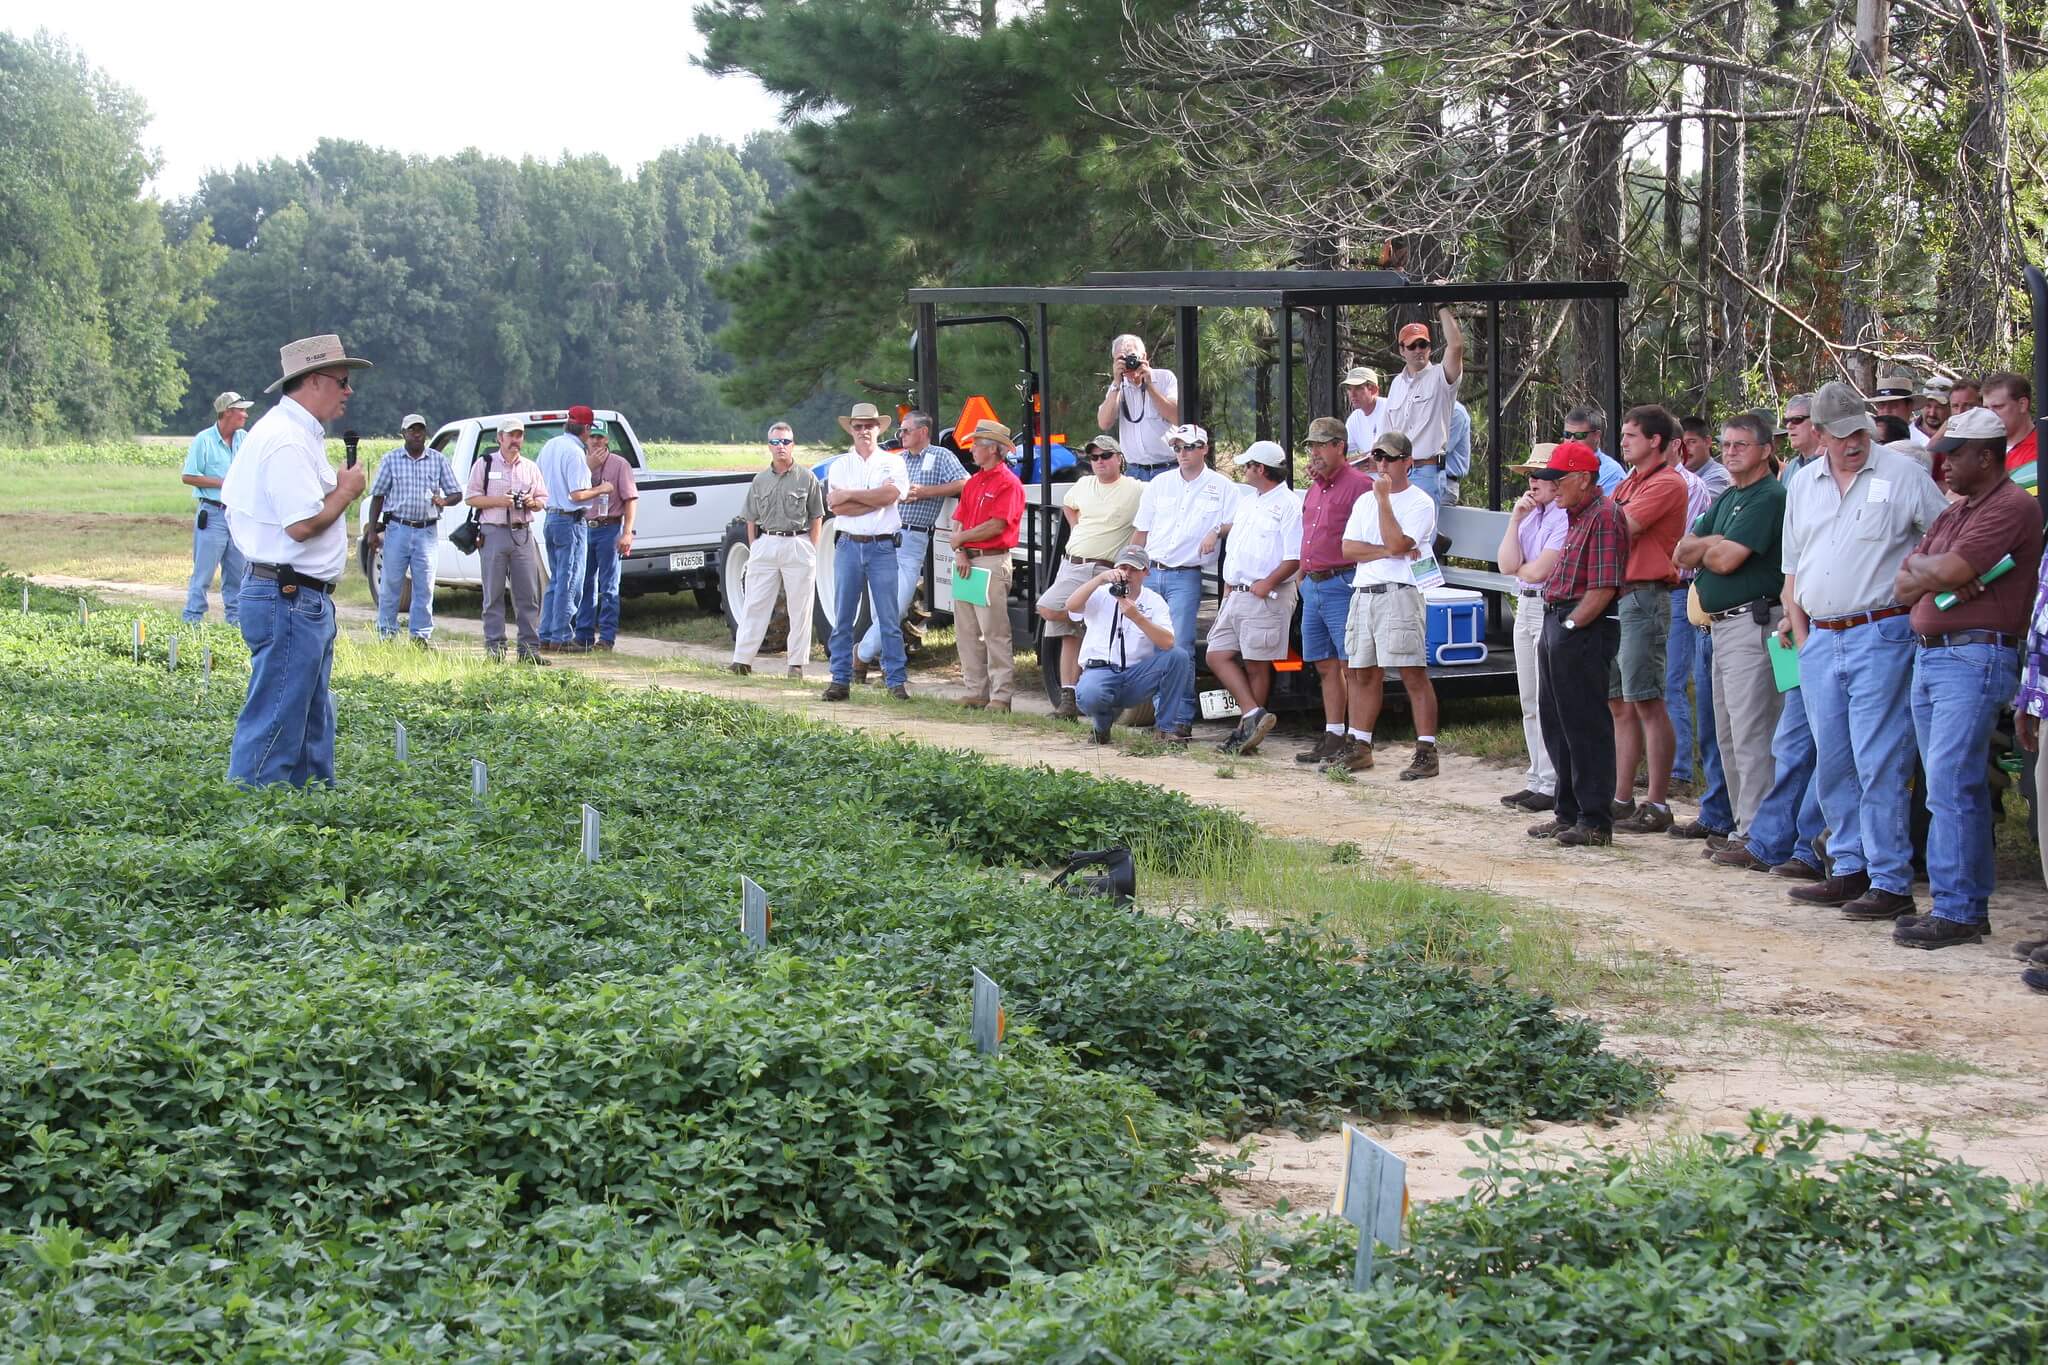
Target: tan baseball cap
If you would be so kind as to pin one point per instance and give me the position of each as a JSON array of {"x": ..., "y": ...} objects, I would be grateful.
[
  {"x": 1325, "y": 429},
  {"x": 1361, "y": 374},
  {"x": 231, "y": 399}
]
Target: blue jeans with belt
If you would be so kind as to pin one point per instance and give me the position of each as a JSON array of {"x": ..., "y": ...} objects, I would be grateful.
[
  {"x": 407, "y": 549},
  {"x": 213, "y": 548},
  {"x": 568, "y": 544},
  {"x": 909, "y": 567},
  {"x": 285, "y": 732},
  {"x": 1166, "y": 679},
  {"x": 863, "y": 566},
  {"x": 1182, "y": 589},
  {"x": 597, "y": 608},
  {"x": 1957, "y": 690},
  {"x": 1857, "y": 682}
]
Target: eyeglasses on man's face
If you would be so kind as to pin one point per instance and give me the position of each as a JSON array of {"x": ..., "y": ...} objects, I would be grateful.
[
  {"x": 781, "y": 441},
  {"x": 1416, "y": 346}
]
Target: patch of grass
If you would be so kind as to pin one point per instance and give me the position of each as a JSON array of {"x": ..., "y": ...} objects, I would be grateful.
[
  {"x": 1805, "y": 1044},
  {"x": 710, "y": 457}
]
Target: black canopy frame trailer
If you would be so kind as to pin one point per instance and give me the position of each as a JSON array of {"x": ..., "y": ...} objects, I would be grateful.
[{"x": 1323, "y": 295}]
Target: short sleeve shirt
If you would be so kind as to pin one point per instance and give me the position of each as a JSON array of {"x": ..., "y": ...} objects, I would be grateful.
[
  {"x": 616, "y": 472},
  {"x": 1325, "y": 508},
  {"x": 1983, "y": 530},
  {"x": 930, "y": 467},
  {"x": 1106, "y": 512},
  {"x": 492, "y": 475},
  {"x": 990, "y": 494},
  {"x": 1414, "y": 512},
  {"x": 1656, "y": 502},
  {"x": 1177, "y": 514},
  {"x": 1265, "y": 532},
  {"x": 565, "y": 468},
  {"x": 408, "y": 483},
  {"x": 785, "y": 502},
  {"x": 208, "y": 457},
  {"x": 1420, "y": 407},
  {"x": 1595, "y": 549},
  {"x": 281, "y": 476},
  {"x": 1755, "y": 517},
  {"x": 1843, "y": 549},
  {"x": 852, "y": 474},
  {"x": 1361, "y": 429},
  {"x": 1107, "y": 635},
  {"x": 1141, "y": 428}
]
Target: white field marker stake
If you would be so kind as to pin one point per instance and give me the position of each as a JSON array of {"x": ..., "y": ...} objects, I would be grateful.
[
  {"x": 83, "y": 614},
  {"x": 24, "y": 599},
  {"x": 171, "y": 656},
  {"x": 990, "y": 1022},
  {"x": 398, "y": 746},
  {"x": 754, "y": 914},
  {"x": 590, "y": 825},
  {"x": 479, "y": 778},
  {"x": 205, "y": 667},
  {"x": 138, "y": 640},
  {"x": 1372, "y": 1196}
]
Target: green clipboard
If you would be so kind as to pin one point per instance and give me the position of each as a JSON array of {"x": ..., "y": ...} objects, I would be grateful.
[
  {"x": 1784, "y": 663},
  {"x": 971, "y": 587}
]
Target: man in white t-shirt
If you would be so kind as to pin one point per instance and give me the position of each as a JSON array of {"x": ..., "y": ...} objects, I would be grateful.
[
  {"x": 862, "y": 490},
  {"x": 1420, "y": 398},
  {"x": 1368, "y": 413},
  {"x": 1180, "y": 523},
  {"x": 285, "y": 504},
  {"x": 1144, "y": 402},
  {"x": 1388, "y": 626},
  {"x": 1259, "y": 566},
  {"x": 1128, "y": 650},
  {"x": 1100, "y": 508}
]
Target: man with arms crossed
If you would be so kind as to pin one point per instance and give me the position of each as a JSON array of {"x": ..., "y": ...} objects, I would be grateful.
[
  {"x": 935, "y": 475},
  {"x": 1250, "y": 629},
  {"x": 1652, "y": 500},
  {"x": 863, "y": 488}
]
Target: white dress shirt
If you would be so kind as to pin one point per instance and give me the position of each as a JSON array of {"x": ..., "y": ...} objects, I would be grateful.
[
  {"x": 1265, "y": 532},
  {"x": 1177, "y": 513},
  {"x": 281, "y": 476},
  {"x": 851, "y": 474},
  {"x": 1414, "y": 513},
  {"x": 1106, "y": 634}
]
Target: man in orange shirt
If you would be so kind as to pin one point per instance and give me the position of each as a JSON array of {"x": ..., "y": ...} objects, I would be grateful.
[
  {"x": 1652, "y": 500},
  {"x": 2011, "y": 397}
]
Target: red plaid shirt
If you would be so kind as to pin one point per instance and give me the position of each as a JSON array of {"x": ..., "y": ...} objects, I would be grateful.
[{"x": 1595, "y": 549}]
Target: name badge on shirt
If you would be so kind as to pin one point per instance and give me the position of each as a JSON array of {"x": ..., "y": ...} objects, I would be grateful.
[{"x": 1880, "y": 490}]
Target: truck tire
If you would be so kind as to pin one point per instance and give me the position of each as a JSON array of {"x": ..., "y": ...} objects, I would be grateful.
[{"x": 373, "y": 574}]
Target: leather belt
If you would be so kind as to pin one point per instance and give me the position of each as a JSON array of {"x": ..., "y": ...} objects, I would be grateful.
[
  {"x": 766, "y": 532},
  {"x": 1381, "y": 587},
  {"x": 1098, "y": 563},
  {"x": 1176, "y": 568},
  {"x": 416, "y": 525},
  {"x": 289, "y": 579},
  {"x": 1100, "y": 663},
  {"x": 1746, "y": 609},
  {"x": 606, "y": 521},
  {"x": 573, "y": 513},
  {"x": 214, "y": 502},
  {"x": 1969, "y": 637},
  {"x": 894, "y": 538},
  {"x": 1323, "y": 575},
  {"x": 1854, "y": 619}
]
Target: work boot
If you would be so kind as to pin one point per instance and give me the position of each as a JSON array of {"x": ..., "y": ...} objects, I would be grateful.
[
  {"x": 1549, "y": 829},
  {"x": 1929, "y": 931},
  {"x": 1068, "y": 709},
  {"x": 2025, "y": 949},
  {"x": 535, "y": 660},
  {"x": 1647, "y": 819},
  {"x": 1878, "y": 903},
  {"x": 796, "y": 674},
  {"x": 1737, "y": 855},
  {"x": 837, "y": 691},
  {"x": 1528, "y": 799},
  {"x": 1327, "y": 747},
  {"x": 1619, "y": 810},
  {"x": 739, "y": 669},
  {"x": 1694, "y": 829},
  {"x": 1797, "y": 870},
  {"x": 1833, "y": 891},
  {"x": 861, "y": 670},
  {"x": 1099, "y": 733},
  {"x": 974, "y": 703},
  {"x": 1423, "y": 764},
  {"x": 900, "y": 692},
  {"x": 1354, "y": 757},
  {"x": 1585, "y": 836}
]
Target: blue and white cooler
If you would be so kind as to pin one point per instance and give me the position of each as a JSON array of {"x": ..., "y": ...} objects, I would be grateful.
[{"x": 1457, "y": 626}]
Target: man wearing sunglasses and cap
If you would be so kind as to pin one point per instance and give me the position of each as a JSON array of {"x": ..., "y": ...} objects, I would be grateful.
[
  {"x": 413, "y": 485},
  {"x": 1419, "y": 400},
  {"x": 206, "y": 464},
  {"x": 285, "y": 506},
  {"x": 1180, "y": 523},
  {"x": 1100, "y": 508}
]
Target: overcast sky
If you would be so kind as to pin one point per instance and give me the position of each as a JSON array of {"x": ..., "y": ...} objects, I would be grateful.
[{"x": 235, "y": 82}]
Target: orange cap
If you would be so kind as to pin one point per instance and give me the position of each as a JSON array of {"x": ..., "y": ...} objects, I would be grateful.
[{"x": 1415, "y": 331}]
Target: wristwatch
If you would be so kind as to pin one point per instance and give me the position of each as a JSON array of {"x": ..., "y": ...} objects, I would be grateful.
[{"x": 1570, "y": 624}]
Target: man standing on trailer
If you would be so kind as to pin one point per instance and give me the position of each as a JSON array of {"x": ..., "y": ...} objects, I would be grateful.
[
  {"x": 1368, "y": 413},
  {"x": 1144, "y": 403},
  {"x": 1420, "y": 398}
]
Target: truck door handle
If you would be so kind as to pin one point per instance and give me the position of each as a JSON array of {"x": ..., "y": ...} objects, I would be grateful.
[{"x": 683, "y": 499}]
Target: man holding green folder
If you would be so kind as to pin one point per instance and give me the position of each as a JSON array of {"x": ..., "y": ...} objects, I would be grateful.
[{"x": 990, "y": 511}]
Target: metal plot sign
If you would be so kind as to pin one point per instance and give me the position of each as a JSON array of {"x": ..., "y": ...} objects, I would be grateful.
[{"x": 1372, "y": 1196}]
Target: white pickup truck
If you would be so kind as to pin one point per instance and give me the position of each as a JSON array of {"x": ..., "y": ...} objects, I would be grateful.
[{"x": 681, "y": 519}]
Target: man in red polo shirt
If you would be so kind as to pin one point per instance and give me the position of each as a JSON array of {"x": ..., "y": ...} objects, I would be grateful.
[
  {"x": 2011, "y": 398},
  {"x": 991, "y": 508},
  {"x": 1652, "y": 499},
  {"x": 1333, "y": 488}
]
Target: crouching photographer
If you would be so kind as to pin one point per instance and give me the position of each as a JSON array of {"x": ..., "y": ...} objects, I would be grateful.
[{"x": 1128, "y": 653}]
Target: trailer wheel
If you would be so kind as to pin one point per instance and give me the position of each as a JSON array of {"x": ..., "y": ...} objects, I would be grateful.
[{"x": 733, "y": 554}]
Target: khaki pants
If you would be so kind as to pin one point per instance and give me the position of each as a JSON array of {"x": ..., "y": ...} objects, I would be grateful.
[
  {"x": 1540, "y": 776},
  {"x": 1746, "y": 707},
  {"x": 784, "y": 564},
  {"x": 511, "y": 555},
  {"x": 987, "y": 663}
]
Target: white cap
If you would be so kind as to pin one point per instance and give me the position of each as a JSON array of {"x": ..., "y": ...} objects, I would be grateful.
[
  {"x": 411, "y": 419},
  {"x": 1187, "y": 435},
  {"x": 1267, "y": 453},
  {"x": 512, "y": 424},
  {"x": 231, "y": 399}
]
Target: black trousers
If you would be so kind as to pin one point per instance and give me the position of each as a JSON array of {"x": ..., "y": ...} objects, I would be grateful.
[{"x": 1571, "y": 671}]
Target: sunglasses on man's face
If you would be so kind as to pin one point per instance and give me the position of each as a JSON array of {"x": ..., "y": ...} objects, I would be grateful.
[
  {"x": 1102, "y": 454},
  {"x": 867, "y": 426},
  {"x": 1586, "y": 435},
  {"x": 1415, "y": 346},
  {"x": 1193, "y": 445},
  {"x": 780, "y": 441},
  {"x": 1378, "y": 458},
  {"x": 1795, "y": 421}
]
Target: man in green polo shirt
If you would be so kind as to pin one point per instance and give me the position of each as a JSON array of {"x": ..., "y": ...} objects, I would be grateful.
[
  {"x": 206, "y": 464},
  {"x": 1734, "y": 545}
]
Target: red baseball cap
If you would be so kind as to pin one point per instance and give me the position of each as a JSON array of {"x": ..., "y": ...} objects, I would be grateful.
[
  {"x": 1570, "y": 457},
  {"x": 1415, "y": 331},
  {"x": 582, "y": 414}
]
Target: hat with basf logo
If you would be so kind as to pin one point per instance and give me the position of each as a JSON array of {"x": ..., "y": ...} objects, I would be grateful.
[
  {"x": 314, "y": 353},
  {"x": 1569, "y": 457}
]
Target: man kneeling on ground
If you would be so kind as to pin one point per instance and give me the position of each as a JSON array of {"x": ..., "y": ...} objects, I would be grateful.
[{"x": 1128, "y": 652}]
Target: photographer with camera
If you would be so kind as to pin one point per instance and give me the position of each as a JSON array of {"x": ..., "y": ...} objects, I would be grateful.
[
  {"x": 1128, "y": 651},
  {"x": 507, "y": 490},
  {"x": 1144, "y": 402}
]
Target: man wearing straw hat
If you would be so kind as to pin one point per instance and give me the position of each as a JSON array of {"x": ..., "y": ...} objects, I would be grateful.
[
  {"x": 206, "y": 465},
  {"x": 991, "y": 511},
  {"x": 285, "y": 504},
  {"x": 1529, "y": 550},
  {"x": 862, "y": 490}
]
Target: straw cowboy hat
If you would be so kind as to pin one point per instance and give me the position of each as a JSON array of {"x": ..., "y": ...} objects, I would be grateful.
[
  {"x": 865, "y": 412},
  {"x": 313, "y": 353},
  {"x": 987, "y": 430}
]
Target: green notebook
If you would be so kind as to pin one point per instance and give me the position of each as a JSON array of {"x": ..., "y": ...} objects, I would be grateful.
[
  {"x": 1784, "y": 664},
  {"x": 971, "y": 588}
]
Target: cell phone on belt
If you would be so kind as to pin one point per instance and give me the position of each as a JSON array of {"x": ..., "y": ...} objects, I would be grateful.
[{"x": 349, "y": 442}]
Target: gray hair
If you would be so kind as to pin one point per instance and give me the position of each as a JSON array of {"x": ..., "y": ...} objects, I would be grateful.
[
  {"x": 915, "y": 418},
  {"x": 1758, "y": 428},
  {"x": 781, "y": 426},
  {"x": 1127, "y": 341},
  {"x": 1591, "y": 415},
  {"x": 1801, "y": 401}
]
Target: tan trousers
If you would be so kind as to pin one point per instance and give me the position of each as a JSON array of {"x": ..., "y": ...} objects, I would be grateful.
[
  {"x": 988, "y": 664},
  {"x": 778, "y": 564},
  {"x": 1746, "y": 706}
]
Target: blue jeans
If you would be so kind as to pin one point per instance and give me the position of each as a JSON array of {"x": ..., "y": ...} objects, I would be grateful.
[
  {"x": 1426, "y": 477},
  {"x": 1145, "y": 473},
  {"x": 1167, "y": 680},
  {"x": 1956, "y": 695},
  {"x": 1857, "y": 683},
  {"x": 1789, "y": 820},
  {"x": 285, "y": 732},
  {"x": 407, "y": 549},
  {"x": 1182, "y": 589},
  {"x": 567, "y": 546},
  {"x": 213, "y": 548},
  {"x": 597, "y": 609},
  {"x": 909, "y": 566},
  {"x": 1689, "y": 657},
  {"x": 863, "y": 566}
]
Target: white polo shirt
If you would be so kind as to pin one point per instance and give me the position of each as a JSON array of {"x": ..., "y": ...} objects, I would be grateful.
[
  {"x": 851, "y": 474},
  {"x": 281, "y": 476},
  {"x": 1362, "y": 429},
  {"x": 1265, "y": 532},
  {"x": 1177, "y": 513},
  {"x": 1106, "y": 634},
  {"x": 1419, "y": 406},
  {"x": 1414, "y": 512}
]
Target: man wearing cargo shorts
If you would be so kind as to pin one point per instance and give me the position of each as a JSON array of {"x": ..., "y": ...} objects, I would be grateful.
[
  {"x": 1388, "y": 626},
  {"x": 1259, "y": 564},
  {"x": 1652, "y": 501},
  {"x": 1099, "y": 509},
  {"x": 1334, "y": 488},
  {"x": 507, "y": 490}
]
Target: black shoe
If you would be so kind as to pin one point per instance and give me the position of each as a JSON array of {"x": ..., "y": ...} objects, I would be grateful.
[
  {"x": 900, "y": 692},
  {"x": 861, "y": 671},
  {"x": 1832, "y": 891},
  {"x": 2025, "y": 949},
  {"x": 1549, "y": 829},
  {"x": 2035, "y": 979},
  {"x": 535, "y": 660},
  {"x": 1797, "y": 870},
  {"x": 1927, "y": 931},
  {"x": 837, "y": 691},
  {"x": 1585, "y": 836},
  {"x": 1233, "y": 741},
  {"x": 1260, "y": 728},
  {"x": 1100, "y": 733},
  {"x": 1878, "y": 903},
  {"x": 741, "y": 670},
  {"x": 1326, "y": 748},
  {"x": 1537, "y": 801}
]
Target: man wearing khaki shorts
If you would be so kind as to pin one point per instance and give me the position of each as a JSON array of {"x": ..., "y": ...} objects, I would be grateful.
[
  {"x": 1388, "y": 626},
  {"x": 1260, "y": 561},
  {"x": 1099, "y": 510}
]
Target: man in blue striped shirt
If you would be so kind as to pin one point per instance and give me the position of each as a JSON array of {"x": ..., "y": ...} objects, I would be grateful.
[
  {"x": 206, "y": 464},
  {"x": 413, "y": 485},
  {"x": 935, "y": 475}
]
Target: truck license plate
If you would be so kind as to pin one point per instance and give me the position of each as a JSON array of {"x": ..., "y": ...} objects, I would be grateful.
[
  {"x": 1218, "y": 704},
  {"x": 688, "y": 559}
]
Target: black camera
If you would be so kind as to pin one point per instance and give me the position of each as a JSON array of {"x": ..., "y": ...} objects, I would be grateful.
[
  {"x": 1132, "y": 361},
  {"x": 1119, "y": 588},
  {"x": 519, "y": 500}
]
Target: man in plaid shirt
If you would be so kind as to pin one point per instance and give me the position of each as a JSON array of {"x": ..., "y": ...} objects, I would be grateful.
[
  {"x": 935, "y": 475},
  {"x": 1580, "y": 640},
  {"x": 413, "y": 485}
]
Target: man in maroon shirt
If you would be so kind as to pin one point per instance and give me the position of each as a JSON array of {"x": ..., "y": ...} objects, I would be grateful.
[
  {"x": 986, "y": 521},
  {"x": 1580, "y": 640},
  {"x": 1333, "y": 488},
  {"x": 1967, "y": 665}
]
